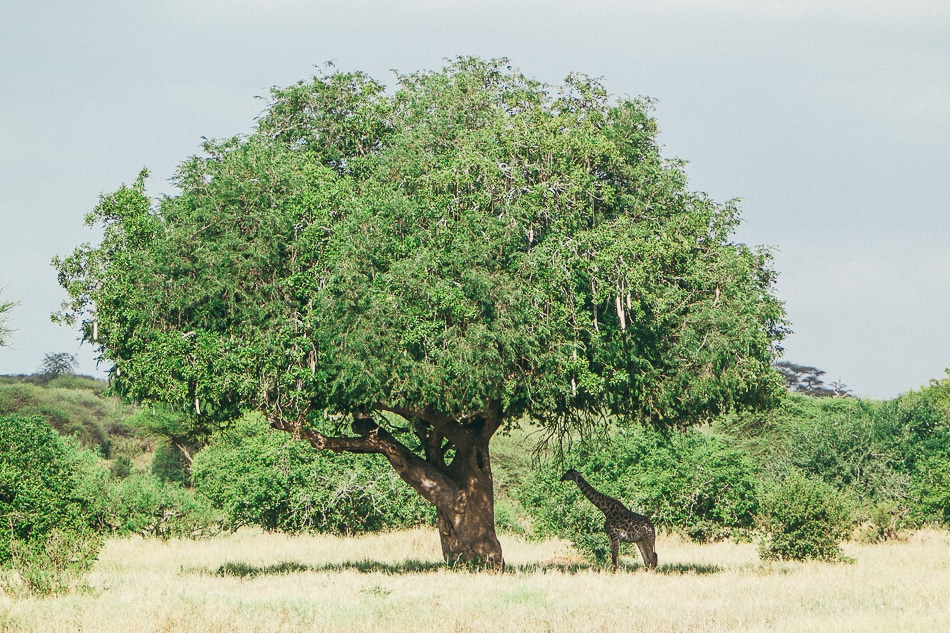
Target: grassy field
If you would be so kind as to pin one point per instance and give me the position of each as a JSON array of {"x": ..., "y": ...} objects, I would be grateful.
[{"x": 251, "y": 581}]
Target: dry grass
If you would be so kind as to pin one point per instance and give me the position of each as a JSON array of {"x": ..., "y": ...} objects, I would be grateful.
[{"x": 259, "y": 582}]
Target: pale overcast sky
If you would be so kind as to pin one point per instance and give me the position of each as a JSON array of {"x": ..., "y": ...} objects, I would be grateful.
[{"x": 830, "y": 119}]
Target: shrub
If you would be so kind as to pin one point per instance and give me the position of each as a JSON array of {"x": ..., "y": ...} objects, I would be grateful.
[
  {"x": 140, "y": 503},
  {"x": 802, "y": 518},
  {"x": 931, "y": 490},
  {"x": 169, "y": 464},
  {"x": 121, "y": 467},
  {"x": 143, "y": 504},
  {"x": 853, "y": 445},
  {"x": 884, "y": 522},
  {"x": 54, "y": 564},
  {"x": 263, "y": 477},
  {"x": 46, "y": 523},
  {"x": 887, "y": 456}
]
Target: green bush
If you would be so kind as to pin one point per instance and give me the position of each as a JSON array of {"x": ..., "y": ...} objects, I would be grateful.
[
  {"x": 856, "y": 446},
  {"x": 140, "y": 503},
  {"x": 46, "y": 522},
  {"x": 169, "y": 464},
  {"x": 883, "y": 521},
  {"x": 886, "y": 456},
  {"x": 143, "y": 504},
  {"x": 930, "y": 492},
  {"x": 693, "y": 483},
  {"x": 259, "y": 476},
  {"x": 802, "y": 518},
  {"x": 54, "y": 564},
  {"x": 121, "y": 467}
]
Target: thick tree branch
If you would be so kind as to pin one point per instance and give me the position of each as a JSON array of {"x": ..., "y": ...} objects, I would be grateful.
[
  {"x": 431, "y": 442},
  {"x": 184, "y": 451},
  {"x": 492, "y": 419},
  {"x": 446, "y": 426},
  {"x": 457, "y": 431},
  {"x": 425, "y": 478}
]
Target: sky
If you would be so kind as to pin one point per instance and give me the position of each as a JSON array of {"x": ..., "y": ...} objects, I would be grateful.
[{"x": 829, "y": 119}]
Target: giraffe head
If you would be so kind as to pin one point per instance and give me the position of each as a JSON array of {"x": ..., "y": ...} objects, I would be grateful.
[{"x": 570, "y": 475}]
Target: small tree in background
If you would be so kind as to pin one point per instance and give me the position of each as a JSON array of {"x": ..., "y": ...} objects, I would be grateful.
[
  {"x": 56, "y": 365},
  {"x": 5, "y": 307},
  {"x": 179, "y": 438},
  {"x": 807, "y": 380}
]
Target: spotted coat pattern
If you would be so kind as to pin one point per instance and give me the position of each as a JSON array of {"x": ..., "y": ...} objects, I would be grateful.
[{"x": 622, "y": 524}]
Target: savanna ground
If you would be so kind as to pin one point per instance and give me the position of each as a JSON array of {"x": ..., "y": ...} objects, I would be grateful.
[{"x": 253, "y": 581}]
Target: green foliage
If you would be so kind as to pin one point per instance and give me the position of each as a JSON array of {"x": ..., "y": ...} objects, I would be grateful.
[
  {"x": 121, "y": 467},
  {"x": 55, "y": 366},
  {"x": 169, "y": 464},
  {"x": 46, "y": 523},
  {"x": 888, "y": 457},
  {"x": 143, "y": 504},
  {"x": 470, "y": 237},
  {"x": 5, "y": 307},
  {"x": 931, "y": 490},
  {"x": 55, "y": 564},
  {"x": 854, "y": 445},
  {"x": 885, "y": 520},
  {"x": 73, "y": 405},
  {"x": 260, "y": 476},
  {"x": 161, "y": 423},
  {"x": 48, "y": 483},
  {"x": 178, "y": 437},
  {"x": 803, "y": 518},
  {"x": 140, "y": 503},
  {"x": 694, "y": 483}
]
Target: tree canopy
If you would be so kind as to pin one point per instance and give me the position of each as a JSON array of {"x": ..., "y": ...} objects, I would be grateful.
[
  {"x": 467, "y": 250},
  {"x": 55, "y": 365}
]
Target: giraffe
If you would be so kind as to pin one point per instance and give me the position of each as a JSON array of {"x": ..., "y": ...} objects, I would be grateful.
[{"x": 622, "y": 524}]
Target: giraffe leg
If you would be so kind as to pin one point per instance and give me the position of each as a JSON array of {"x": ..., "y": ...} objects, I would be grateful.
[{"x": 614, "y": 548}]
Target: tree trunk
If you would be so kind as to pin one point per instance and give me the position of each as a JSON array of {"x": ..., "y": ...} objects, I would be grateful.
[{"x": 466, "y": 516}]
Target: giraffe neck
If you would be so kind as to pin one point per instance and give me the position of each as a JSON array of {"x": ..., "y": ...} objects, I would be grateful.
[{"x": 600, "y": 500}]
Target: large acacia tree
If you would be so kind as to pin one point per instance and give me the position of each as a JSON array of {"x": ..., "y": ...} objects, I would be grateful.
[{"x": 407, "y": 272}]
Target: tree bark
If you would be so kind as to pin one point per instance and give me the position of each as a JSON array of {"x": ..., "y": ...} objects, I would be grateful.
[
  {"x": 466, "y": 519},
  {"x": 462, "y": 490}
]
